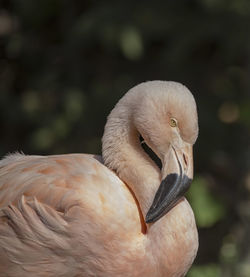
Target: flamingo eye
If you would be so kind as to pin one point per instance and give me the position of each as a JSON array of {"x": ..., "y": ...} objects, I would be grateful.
[{"x": 173, "y": 122}]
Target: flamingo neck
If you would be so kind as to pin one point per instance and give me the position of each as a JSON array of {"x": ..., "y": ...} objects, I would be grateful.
[{"x": 123, "y": 153}]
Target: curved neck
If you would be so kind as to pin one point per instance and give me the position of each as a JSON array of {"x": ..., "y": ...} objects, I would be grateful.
[{"x": 123, "y": 153}]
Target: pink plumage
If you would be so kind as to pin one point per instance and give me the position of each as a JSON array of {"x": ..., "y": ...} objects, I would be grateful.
[{"x": 86, "y": 215}]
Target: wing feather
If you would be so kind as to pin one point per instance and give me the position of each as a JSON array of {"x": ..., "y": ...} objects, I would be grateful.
[
  {"x": 34, "y": 236},
  {"x": 56, "y": 212}
]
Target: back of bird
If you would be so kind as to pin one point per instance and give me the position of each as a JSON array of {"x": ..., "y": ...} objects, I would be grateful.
[{"x": 54, "y": 213}]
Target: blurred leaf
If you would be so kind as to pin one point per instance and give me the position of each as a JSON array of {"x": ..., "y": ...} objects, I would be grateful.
[
  {"x": 244, "y": 269},
  {"x": 210, "y": 270},
  {"x": 61, "y": 126},
  {"x": 207, "y": 208},
  {"x": 131, "y": 43},
  {"x": 74, "y": 103},
  {"x": 228, "y": 250},
  {"x": 30, "y": 102},
  {"x": 43, "y": 139}
]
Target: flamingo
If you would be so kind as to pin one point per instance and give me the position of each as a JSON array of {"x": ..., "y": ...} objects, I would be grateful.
[{"x": 115, "y": 215}]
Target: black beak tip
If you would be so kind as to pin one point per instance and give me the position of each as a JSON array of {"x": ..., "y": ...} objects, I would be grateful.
[
  {"x": 154, "y": 214},
  {"x": 149, "y": 218},
  {"x": 172, "y": 188}
]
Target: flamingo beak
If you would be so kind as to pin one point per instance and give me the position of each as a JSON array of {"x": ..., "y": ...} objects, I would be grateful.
[{"x": 177, "y": 172}]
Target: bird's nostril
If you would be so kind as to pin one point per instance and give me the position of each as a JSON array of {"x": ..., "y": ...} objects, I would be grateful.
[{"x": 185, "y": 159}]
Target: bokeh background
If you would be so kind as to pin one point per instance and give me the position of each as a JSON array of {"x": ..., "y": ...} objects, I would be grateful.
[{"x": 64, "y": 64}]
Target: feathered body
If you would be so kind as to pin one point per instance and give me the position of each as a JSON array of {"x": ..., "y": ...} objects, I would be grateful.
[{"x": 71, "y": 215}]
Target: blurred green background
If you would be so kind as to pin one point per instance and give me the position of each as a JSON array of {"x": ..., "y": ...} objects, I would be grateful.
[{"x": 64, "y": 64}]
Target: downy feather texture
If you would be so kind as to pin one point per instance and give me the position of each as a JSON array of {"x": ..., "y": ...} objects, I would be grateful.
[{"x": 83, "y": 215}]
